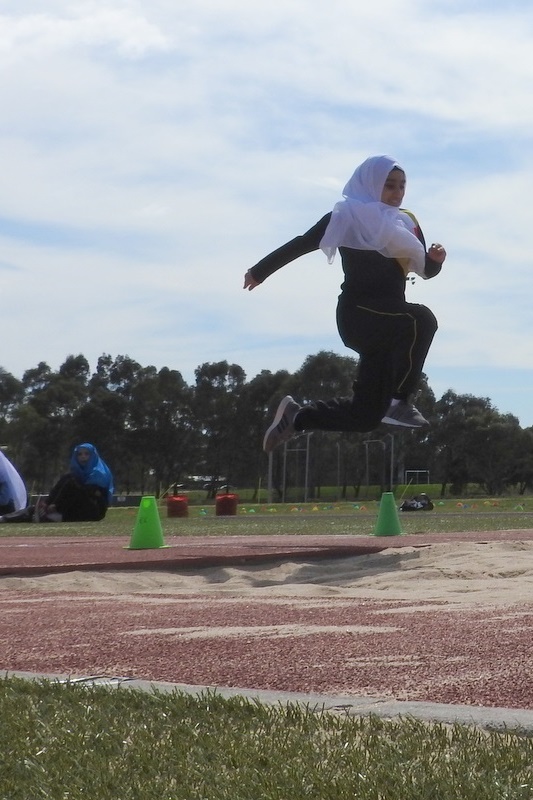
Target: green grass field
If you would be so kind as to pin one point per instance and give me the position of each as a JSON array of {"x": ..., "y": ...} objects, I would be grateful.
[
  {"x": 355, "y": 518},
  {"x": 94, "y": 743}
]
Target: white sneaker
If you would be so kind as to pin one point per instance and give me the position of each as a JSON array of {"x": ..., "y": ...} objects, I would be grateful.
[
  {"x": 282, "y": 428},
  {"x": 405, "y": 414}
]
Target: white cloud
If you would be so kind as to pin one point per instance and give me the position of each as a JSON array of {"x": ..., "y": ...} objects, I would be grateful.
[
  {"x": 86, "y": 25},
  {"x": 153, "y": 151}
]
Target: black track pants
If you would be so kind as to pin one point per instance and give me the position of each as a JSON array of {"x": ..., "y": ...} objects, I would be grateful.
[{"x": 392, "y": 338}]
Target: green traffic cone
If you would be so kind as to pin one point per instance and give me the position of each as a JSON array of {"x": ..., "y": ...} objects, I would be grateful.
[
  {"x": 388, "y": 521},
  {"x": 147, "y": 534}
]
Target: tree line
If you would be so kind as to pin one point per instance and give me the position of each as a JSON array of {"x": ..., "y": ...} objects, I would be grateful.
[{"x": 155, "y": 431}]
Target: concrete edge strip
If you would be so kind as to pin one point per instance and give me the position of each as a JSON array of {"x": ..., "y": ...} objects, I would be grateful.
[{"x": 499, "y": 720}]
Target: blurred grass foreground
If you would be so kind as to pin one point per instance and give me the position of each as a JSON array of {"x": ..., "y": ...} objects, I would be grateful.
[{"x": 99, "y": 743}]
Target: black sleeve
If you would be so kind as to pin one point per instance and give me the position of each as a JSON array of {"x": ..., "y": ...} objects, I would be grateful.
[
  {"x": 97, "y": 494},
  {"x": 297, "y": 247},
  {"x": 431, "y": 267},
  {"x": 97, "y": 501}
]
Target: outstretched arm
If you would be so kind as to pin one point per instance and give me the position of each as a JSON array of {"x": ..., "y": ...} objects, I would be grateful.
[{"x": 297, "y": 247}]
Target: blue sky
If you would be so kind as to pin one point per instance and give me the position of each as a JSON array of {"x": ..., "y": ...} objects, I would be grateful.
[{"x": 153, "y": 151}]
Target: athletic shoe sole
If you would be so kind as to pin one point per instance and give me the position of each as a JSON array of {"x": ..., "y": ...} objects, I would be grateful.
[
  {"x": 391, "y": 421},
  {"x": 277, "y": 419}
]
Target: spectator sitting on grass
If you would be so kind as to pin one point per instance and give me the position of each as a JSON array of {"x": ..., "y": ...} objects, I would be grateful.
[{"x": 81, "y": 495}]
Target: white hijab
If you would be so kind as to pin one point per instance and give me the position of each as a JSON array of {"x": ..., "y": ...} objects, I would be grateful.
[
  {"x": 363, "y": 222},
  {"x": 10, "y": 476}
]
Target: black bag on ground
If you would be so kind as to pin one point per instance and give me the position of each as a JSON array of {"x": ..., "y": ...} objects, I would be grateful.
[{"x": 420, "y": 502}]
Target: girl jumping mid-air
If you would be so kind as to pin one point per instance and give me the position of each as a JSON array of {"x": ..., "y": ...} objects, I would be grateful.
[{"x": 379, "y": 244}]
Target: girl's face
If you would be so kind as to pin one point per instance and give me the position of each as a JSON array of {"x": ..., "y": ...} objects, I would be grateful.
[
  {"x": 83, "y": 455},
  {"x": 394, "y": 188}
]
